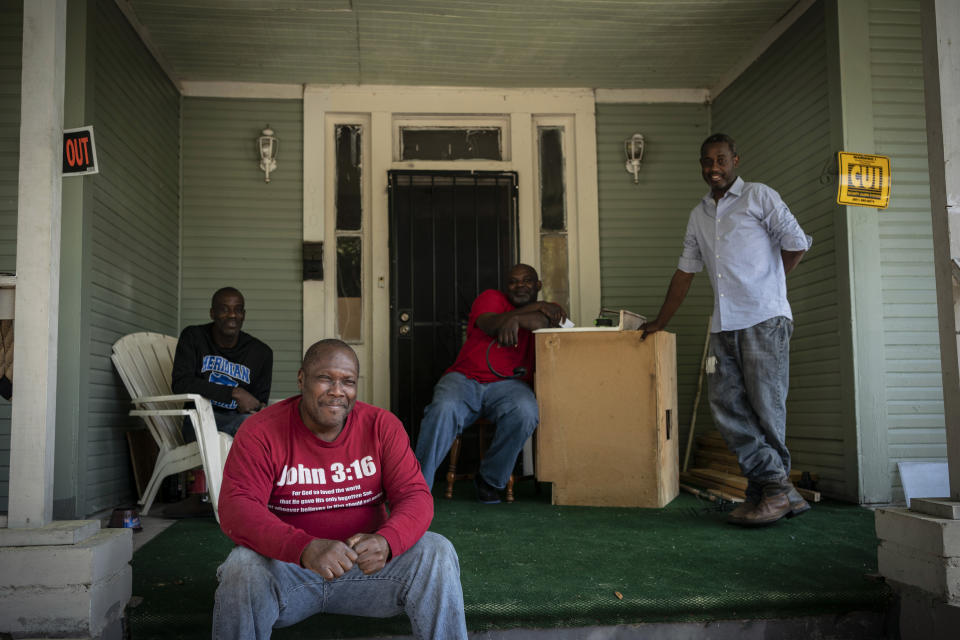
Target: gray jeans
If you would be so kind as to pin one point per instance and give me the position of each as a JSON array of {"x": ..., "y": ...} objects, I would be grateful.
[
  {"x": 257, "y": 594},
  {"x": 748, "y": 396}
]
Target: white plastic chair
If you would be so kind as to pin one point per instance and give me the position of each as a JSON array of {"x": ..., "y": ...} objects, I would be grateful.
[{"x": 145, "y": 363}]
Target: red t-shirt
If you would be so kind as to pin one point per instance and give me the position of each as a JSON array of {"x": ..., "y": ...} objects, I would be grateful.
[
  {"x": 283, "y": 486},
  {"x": 472, "y": 359}
]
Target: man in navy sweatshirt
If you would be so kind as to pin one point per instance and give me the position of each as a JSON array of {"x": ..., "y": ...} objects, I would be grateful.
[{"x": 223, "y": 364}]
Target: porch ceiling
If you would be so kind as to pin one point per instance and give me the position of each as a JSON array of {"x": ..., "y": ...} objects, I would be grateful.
[{"x": 616, "y": 44}]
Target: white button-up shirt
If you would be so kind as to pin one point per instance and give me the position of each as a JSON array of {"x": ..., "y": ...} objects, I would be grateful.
[{"x": 739, "y": 240}]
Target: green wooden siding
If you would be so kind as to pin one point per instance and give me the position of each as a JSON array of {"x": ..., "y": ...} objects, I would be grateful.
[
  {"x": 131, "y": 266},
  {"x": 914, "y": 387},
  {"x": 11, "y": 19},
  {"x": 240, "y": 231},
  {"x": 778, "y": 111},
  {"x": 642, "y": 225},
  {"x": 11, "y": 27}
]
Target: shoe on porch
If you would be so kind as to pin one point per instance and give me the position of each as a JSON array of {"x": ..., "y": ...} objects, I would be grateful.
[
  {"x": 742, "y": 510},
  {"x": 774, "y": 504},
  {"x": 486, "y": 493}
]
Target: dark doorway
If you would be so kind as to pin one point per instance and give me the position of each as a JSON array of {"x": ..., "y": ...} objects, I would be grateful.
[{"x": 452, "y": 235}]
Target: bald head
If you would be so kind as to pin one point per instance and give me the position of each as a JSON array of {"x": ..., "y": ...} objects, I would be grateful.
[
  {"x": 522, "y": 269},
  {"x": 323, "y": 349},
  {"x": 224, "y": 292}
]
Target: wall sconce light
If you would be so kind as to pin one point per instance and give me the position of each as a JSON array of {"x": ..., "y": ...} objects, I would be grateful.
[
  {"x": 633, "y": 148},
  {"x": 268, "y": 144}
]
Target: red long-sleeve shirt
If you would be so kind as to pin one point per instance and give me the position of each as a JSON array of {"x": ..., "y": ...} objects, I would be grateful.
[{"x": 283, "y": 486}]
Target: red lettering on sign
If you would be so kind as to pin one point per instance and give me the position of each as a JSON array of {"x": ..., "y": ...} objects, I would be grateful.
[
  {"x": 78, "y": 151},
  {"x": 86, "y": 154},
  {"x": 71, "y": 153}
]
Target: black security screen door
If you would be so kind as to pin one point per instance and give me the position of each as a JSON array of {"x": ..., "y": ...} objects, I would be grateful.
[{"x": 452, "y": 235}]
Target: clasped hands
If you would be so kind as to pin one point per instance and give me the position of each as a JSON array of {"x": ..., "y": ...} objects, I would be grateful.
[{"x": 330, "y": 559}]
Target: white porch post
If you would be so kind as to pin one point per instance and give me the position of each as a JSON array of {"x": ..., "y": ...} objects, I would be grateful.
[
  {"x": 919, "y": 551},
  {"x": 941, "y": 53},
  {"x": 66, "y": 578},
  {"x": 38, "y": 265}
]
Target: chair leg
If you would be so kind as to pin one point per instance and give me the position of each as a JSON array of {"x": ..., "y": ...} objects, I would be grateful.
[
  {"x": 510, "y": 489},
  {"x": 452, "y": 470},
  {"x": 150, "y": 492},
  {"x": 169, "y": 462}
]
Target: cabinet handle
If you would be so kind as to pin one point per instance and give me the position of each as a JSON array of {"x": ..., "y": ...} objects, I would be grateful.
[{"x": 668, "y": 424}]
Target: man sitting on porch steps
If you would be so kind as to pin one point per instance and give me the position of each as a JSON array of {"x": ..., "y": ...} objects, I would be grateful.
[
  {"x": 220, "y": 362},
  {"x": 491, "y": 381},
  {"x": 305, "y": 494}
]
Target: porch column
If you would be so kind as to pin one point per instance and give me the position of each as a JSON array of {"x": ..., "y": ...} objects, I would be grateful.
[
  {"x": 67, "y": 578},
  {"x": 919, "y": 550},
  {"x": 941, "y": 72},
  {"x": 33, "y": 417}
]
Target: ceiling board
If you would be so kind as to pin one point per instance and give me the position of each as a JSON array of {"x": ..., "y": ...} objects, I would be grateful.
[{"x": 618, "y": 44}]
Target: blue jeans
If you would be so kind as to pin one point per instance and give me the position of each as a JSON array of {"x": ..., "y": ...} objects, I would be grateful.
[
  {"x": 257, "y": 594},
  {"x": 457, "y": 402},
  {"x": 748, "y": 396}
]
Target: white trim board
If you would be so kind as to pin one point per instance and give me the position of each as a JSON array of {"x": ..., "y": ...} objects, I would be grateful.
[
  {"x": 652, "y": 96},
  {"x": 242, "y": 90},
  {"x": 402, "y": 100}
]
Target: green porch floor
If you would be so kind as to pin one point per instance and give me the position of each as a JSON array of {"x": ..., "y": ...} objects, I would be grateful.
[{"x": 530, "y": 564}]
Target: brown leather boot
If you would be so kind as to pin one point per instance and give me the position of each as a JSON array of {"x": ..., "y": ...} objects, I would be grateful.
[
  {"x": 774, "y": 504},
  {"x": 751, "y": 499},
  {"x": 741, "y": 510}
]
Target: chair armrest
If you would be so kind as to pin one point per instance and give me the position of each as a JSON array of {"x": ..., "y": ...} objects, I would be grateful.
[{"x": 195, "y": 398}]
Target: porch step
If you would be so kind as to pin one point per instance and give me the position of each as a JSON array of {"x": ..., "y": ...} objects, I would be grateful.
[{"x": 866, "y": 625}]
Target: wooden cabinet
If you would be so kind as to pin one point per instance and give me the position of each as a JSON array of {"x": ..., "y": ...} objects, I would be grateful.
[{"x": 608, "y": 417}]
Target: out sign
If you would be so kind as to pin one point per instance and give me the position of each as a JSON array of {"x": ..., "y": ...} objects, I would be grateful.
[{"x": 79, "y": 152}]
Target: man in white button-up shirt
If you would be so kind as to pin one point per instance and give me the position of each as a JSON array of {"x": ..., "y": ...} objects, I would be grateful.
[{"x": 748, "y": 240}]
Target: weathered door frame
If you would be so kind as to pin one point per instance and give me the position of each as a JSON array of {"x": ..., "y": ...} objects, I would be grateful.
[{"x": 382, "y": 107}]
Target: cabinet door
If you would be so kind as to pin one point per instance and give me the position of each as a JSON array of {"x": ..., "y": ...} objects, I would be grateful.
[{"x": 601, "y": 416}]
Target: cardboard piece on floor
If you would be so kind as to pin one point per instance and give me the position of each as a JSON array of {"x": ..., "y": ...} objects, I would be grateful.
[{"x": 924, "y": 480}]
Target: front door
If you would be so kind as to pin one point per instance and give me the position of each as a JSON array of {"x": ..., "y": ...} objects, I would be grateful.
[{"x": 452, "y": 235}]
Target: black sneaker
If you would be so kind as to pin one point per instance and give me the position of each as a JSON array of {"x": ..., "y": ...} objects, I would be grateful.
[{"x": 485, "y": 493}]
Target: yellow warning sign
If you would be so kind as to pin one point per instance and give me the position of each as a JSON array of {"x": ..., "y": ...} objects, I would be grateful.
[{"x": 864, "y": 180}]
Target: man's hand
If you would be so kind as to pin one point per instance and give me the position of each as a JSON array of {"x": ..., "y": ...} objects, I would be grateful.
[
  {"x": 505, "y": 327},
  {"x": 554, "y": 312},
  {"x": 650, "y": 327},
  {"x": 509, "y": 333},
  {"x": 790, "y": 259},
  {"x": 676, "y": 292},
  {"x": 372, "y": 549},
  {"x": 328, "y": 558},
  {"x": 246, "y": 402}
]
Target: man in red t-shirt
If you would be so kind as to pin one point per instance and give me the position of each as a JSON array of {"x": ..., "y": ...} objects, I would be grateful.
[
  {"x": 491, "y": 379},
  {"x": 305, "y": 494}
]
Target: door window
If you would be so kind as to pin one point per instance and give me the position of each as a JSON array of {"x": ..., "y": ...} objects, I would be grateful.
[
  {"x": 348, "y": 139},
  {"x": 451, "y": 143},
  {"x": 553, "y": 216}
]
